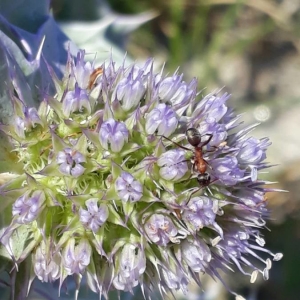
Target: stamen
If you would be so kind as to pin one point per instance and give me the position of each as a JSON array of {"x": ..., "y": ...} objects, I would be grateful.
[
  {"x": 254, "y": 276},
  {"x": 277, "y": 256},
  {"x": 269, "y": 263},
  {"x": 239, "y": 266},
  {"x": 266, "y": 274}
]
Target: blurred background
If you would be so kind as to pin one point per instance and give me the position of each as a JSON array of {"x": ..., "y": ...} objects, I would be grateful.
[{"x": 248, "y": 48}]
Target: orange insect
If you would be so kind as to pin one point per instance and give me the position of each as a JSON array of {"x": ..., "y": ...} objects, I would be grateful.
[
  {"x": 199, "y": 163},
  {"x": 93, "y": 77}
]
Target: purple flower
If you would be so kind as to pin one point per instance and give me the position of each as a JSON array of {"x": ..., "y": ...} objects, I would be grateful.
[
  {"x": 82, "y": 71},
  {"x": 28, "y": 207},
  {"x": 201, "y": 212},
  {"x": 160, "y": 229},
  {"x": 175, "y": 280},
  {"x": 113, "y": 133},
  {"x": 130, "y": 90},
  {"x": 94, "y": 216},
  {"x": 29, "y": 121},
  {"x": 251, "y": 153},
  {"x": 175, "y": 91},
  {"x": 70, "y": 162},
  {"x": 75, "y": 258},
  {"x": 218, "y": 131},
  {"x": 46, "y": 266},
  {"x": 226, "y": 170},
  {"x": 237, "y": 246},
  {"x": 173, "y": 164},
  {"x": 132, "y": 264},
  {"x": 163, "y": 119},
  {"x": 128, "y": 188},
  {"x": 213, "y": 106},
  {"x": 76, "y": 101},
  {"x": 196, "y": 254}
]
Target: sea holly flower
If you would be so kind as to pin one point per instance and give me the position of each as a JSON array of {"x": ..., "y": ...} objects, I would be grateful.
[{"x": 107, "y": 184}]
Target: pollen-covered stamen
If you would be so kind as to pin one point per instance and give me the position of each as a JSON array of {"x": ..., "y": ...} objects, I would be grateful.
[
  {"x": 76, "y": 102},
  {"x": 128, "y": 188},
  {"x": 113, "y": 133},
  {"x": 95, "y": 216},
  {"x": 173, "y": 164},
  {"x": 201, "y": 212},
  {"x": 160, "y": 229},
  {"x": 163, "y": 119},
  {"x": 70, "y": 161},
  {"x": 75, "y": 258},
  {"x": 196, "y": 254},
  {"x": 28, "y": 207}
]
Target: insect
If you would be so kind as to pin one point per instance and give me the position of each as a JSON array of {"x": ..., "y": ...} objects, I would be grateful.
[
  {"x": 194, "y": 138},
  {"x": 93, "y": 77},
  {"x": 200, "y": 164}
]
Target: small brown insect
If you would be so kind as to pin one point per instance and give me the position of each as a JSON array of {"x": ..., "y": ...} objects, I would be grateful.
[
  {"x": 199, "y": 163},
  {"x": 93, "y": 77}
]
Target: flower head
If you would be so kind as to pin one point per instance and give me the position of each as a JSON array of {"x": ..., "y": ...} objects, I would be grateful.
[{"x": 109, "y": 186}]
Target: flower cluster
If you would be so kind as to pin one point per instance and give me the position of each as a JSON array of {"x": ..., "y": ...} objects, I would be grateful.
[{"x": 110, "y": 186}]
